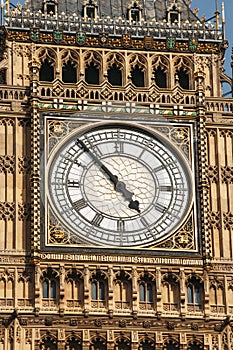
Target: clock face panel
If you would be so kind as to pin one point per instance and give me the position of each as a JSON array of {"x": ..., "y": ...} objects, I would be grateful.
[{"x": 94, "y": 175}]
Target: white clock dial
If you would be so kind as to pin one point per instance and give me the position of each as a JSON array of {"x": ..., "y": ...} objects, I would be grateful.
[{"x": 119, "y": 185}]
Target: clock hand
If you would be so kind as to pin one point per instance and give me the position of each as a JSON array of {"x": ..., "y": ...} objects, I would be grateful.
[{"x": 118, "y": 185}]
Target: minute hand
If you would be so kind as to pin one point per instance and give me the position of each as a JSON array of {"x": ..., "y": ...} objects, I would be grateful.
[{"x": 118, "y": 185}]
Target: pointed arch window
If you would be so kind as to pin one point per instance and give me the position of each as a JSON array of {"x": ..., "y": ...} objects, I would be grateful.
[
  {"x": 137, "y": 75},
  {"x": 49, "y": 7},
  {"x": 115, "y": 75},
  {"x": 98, "y": 289},
  {"x": 49, "y": 289},
  {"x": 69, "y": 73},
  {"x": 183, "y": 78},
  {"x": 92, "y": 74},
  {"x": 46, "y": 71},
  {"x": 173, "y": 15},
  {"x": 146, "y": 292},
  {"x": 90, "y": 9},
  {"x": 123, "y": 291},
  {"x": 160, "y": 77},
  {"x": 134, "y": 13},
  {"x": 171, "y": 293}
]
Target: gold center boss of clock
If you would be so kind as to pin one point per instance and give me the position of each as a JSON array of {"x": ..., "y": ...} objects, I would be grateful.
[{"x": 118, "y": 184}]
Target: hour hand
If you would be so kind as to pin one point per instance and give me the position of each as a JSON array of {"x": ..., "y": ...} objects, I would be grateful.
[{"x": 121, "y": 187}]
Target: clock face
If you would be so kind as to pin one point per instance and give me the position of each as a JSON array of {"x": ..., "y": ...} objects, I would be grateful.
[{"x": 118, "y": 185}]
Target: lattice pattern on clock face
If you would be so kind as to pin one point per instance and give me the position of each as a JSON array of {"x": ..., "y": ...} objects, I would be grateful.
[{"x": 91, "y": 210}]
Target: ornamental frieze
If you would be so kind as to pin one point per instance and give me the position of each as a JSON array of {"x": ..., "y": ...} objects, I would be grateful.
[{"x": 113, "y": 42}]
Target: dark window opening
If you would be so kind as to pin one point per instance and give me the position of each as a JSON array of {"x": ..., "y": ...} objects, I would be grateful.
[
  {"x": 137, "y": 76},
  {"x": 97, "y": 290},
  {"x": 46, "y": 71},
  {"x": 183, "y": 79},
  {"x": 174, "y": 17},
  {"x": 45, "y": 292},
  {"x": 69, "y": 73},
  {"x": 92, "y": 74},
  {"x": 51, "y": 8},
  {"x": 135, "y": 15},
  {"x": 160, "y": 78},
  {"x": 115, "y": 75},
  {"x": 3, "y": 76},
  {"x": 90, "y": 11}
]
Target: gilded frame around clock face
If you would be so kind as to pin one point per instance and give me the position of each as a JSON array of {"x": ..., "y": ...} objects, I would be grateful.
[{"x": 85, "y": 172}]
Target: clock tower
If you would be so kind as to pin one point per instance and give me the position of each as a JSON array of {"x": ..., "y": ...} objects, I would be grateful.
[{"x": 116, "y": 174}]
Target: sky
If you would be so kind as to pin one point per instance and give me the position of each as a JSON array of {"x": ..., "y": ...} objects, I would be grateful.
[{"x": 208, "y": 8}]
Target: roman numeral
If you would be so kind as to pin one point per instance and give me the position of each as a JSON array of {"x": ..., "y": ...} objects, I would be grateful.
[
  {"x": 159, "y": 207},
  {"x": 159, "y": 168},
  {"x": 73, "y": 183},
  {"x": 144, "y": 222},
  {"x": 120, "y": 226},
  {"x": 97, "y": 219},
  {"x": 80, "y": 204},
  {"x": 165, "y": 188}
]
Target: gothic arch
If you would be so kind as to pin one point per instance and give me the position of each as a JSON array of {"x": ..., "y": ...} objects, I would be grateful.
[
  {"x": 123, "y": 343},
  {"x": 74, "y": 287},
  {"x": 171, "y": 292},
  {"x": 48, "y": 342},
  {"x": 161, "y": 69},
  {"x": 70, "y": 62},
  {"x": 73, "y": 342},
  {"x": 50, "y": 283},
  {"x": 171, "y": 344},
  {"x": 146, "y": 343},
  {"x": 138, "y": 70},
  {"x": 98, "y": 343},
  {"x": 123, "y": 289},
  {"x": 47, "y": 58},
  {"x": 195, "y": 345},
  {"x": 183, "y": 68},
  {"x": 115, "y": 68},
  {"x": 93, "y": 67}
]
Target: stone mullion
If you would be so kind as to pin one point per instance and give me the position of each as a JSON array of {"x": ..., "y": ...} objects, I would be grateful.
[{"x": 203, "y": 184}]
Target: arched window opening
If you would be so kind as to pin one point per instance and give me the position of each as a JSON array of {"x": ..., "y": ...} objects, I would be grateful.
[
  {"x": 92, "y": 74},
  {"x": 173, "y": 15},
  {"x": 123, "y": 344},
  {"x": 146, "y": 292},
  {"x": 3, "y": 76},
  {"x": 53, "y": 290},
  {"x": 98, "y": 289},
  {"x": 171, "y": 293},
  {"x": 115, "y": 75},
  {"x": 48, "y": 344},
  {"x": 183, "y": 78},
  {"x": 90, "y": 9},
  {"x": 194, "y": 294},
  {"x": 123, "y": 290},
  {"x": 49, "y": 289},
  {"x": 46, "y": 71},
  {"x": 73, "y": 344},
  {"x": 94, "y": 290},
  {"x": 195, "y": 346},
  {"x": 45, "y": 292},
  {"x": 49, "y": 8},
  {"x": 160, "y": 78},
  {"x": 142, "y": 292},
  {"x": 137, "y": 75},
  {"x": 171, "y": 345},
  {"x": 69, "y": 73},
  {"x": 98, "y": 343}
]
